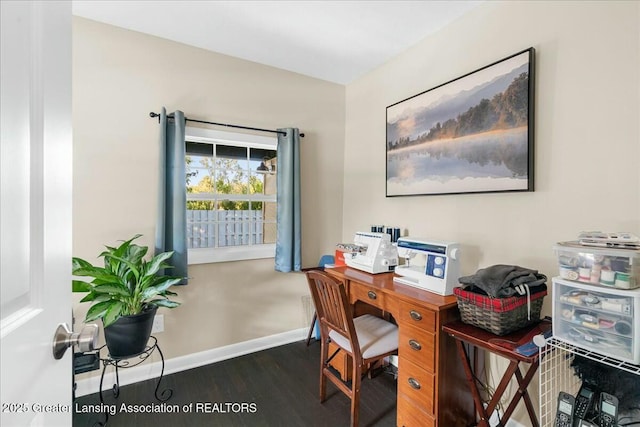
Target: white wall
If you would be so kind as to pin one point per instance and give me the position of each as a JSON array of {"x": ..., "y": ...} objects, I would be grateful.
[
  {"x": 119, "y": 76},
  {"x": 587, "y": 133}
]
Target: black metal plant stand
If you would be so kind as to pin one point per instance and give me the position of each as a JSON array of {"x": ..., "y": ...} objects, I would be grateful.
[{"x": 130, "y": 362}]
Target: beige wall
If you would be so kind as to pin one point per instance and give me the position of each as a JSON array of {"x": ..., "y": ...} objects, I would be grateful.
[
  {"x": 120, "y": 76},
  {"x": 587, "y": 149},
  {"x": 587, "y": 142}
]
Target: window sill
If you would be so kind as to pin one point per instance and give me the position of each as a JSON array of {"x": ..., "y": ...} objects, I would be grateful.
[{"x": 233, "y": 253}]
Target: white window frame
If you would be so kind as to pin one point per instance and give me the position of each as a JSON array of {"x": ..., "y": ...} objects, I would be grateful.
[{"x": 230, "y": 253}]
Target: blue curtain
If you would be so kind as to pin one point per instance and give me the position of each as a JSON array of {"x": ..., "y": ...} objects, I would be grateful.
[
  {"x": 288, "y": 240},
  {"x": 172, "y": 199}
]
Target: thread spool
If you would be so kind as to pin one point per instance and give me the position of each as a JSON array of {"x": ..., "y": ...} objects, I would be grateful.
[
  {"x": 622, "y": 281},
  {"x": 607, "y": 277},
  {"x": 395, "y": 235},
  {"x": 569, "y": 273},
  {"x": 595, "y": 273},
  {"x": 584, "y": 274}
]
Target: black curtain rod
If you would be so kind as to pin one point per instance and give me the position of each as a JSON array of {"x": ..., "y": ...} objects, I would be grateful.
[{"x": 153, "y": 115}]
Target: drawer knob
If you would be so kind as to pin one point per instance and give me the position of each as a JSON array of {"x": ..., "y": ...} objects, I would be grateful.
[
  {"x": 415, "y": 315},
  {"x": 372, "y": 295},
  {"x": 415, "y": 345},
  {"x": 414, "y": 383}
]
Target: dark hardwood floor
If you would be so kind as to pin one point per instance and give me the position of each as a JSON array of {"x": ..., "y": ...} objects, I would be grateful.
[{"x": 274, "y": 387}]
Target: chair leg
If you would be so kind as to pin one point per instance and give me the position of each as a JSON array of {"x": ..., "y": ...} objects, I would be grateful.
[
  {"x": 375, "y": 368},
  {"x": 324, "y": 354},
  {"x": 311, "y": 328},
  {"x": 356, "y": 380}
]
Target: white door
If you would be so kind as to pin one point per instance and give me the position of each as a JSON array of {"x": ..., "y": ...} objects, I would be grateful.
[{"x": 35, "y": 213}]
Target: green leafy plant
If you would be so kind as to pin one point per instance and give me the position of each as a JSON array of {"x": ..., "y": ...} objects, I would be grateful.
[{"x": 127, "y": 284}]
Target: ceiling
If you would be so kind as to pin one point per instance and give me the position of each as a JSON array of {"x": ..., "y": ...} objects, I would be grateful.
[{"x": 337, "y": 41}]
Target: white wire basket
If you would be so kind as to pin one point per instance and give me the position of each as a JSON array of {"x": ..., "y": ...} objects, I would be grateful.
[{"x": 556, "y": 374}]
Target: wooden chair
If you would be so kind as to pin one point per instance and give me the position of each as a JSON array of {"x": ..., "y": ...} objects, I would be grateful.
[
  {"x": 367, "y": 338},
  {"x": 324, "y": 260}
]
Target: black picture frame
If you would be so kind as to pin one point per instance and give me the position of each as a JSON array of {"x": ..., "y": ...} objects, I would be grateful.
[{"x": 473, "y": 134}]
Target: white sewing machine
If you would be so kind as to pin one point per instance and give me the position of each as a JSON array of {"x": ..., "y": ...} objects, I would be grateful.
[
  {"x": 430, "y": 265},
  {"x": 377, "y": 254}
]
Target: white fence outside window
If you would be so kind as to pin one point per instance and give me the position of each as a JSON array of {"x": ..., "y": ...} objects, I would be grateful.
[{"x": 230, "y": 228}]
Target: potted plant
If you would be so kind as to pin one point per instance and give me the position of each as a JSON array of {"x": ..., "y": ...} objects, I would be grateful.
[{"x": 125, "y": 293}]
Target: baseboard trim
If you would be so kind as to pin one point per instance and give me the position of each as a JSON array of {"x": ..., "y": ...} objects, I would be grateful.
[{"x": 149, "y": 371}]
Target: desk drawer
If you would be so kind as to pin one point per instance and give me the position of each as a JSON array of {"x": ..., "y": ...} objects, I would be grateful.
[
  {"x": 416, "y": 384},
  {"x": 417, "y": 315},
  {"x": 410, "y": 416},
  {"x": 417, "y": 346},
  {"x": 372, "y": 296}
]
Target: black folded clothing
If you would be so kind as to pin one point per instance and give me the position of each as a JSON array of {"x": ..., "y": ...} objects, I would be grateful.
[{"x": 501, "y": 281}]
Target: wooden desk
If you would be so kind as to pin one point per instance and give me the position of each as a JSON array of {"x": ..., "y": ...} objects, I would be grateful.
[
  {"x": 432, "y": 390},
  {"x": 503, "y": 346}
]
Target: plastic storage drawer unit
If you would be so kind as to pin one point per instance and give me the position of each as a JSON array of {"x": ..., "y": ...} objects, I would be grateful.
[
  {"x": 598, "y": 319},
  {"x": 616, "y": 268}
]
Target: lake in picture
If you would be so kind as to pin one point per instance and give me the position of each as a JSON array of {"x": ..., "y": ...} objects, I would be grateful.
[{"x": 490, "y": 161}]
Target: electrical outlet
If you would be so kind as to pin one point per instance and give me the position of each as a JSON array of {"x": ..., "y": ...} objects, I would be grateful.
[{"x": 158, "y": 323}]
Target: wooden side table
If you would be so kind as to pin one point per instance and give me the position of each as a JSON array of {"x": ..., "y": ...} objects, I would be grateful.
[{"x": 503, "y": 346}]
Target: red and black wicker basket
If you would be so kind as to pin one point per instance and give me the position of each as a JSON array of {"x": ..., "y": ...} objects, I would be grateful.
[{"x": 499, "y": 315}]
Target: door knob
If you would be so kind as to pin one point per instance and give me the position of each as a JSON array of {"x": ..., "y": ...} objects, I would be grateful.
[{"x": 86, "y": 339}]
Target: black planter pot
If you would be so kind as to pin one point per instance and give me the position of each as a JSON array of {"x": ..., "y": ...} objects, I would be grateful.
[{"x": 128, "y": 336}]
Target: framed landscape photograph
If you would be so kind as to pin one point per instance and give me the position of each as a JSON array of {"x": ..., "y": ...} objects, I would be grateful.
[{"x": 473, "y": 134}]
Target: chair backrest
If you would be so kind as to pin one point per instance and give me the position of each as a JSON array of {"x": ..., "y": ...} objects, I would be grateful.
[{"x": 333, "y": 308}]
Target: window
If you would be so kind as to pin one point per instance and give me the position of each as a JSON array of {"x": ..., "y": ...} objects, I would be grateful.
[{"x": 231, "y": 196}]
